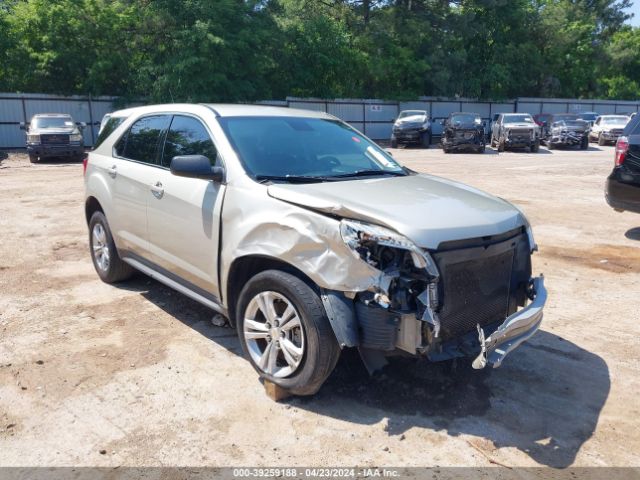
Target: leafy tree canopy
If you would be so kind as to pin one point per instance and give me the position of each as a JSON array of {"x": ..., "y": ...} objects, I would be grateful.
[{"x": 242, "y": 50}]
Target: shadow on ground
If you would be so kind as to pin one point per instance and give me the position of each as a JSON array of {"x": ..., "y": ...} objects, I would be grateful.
[
  {"x": 633, "y": 233},
  {"x": 545, "y": 400}
]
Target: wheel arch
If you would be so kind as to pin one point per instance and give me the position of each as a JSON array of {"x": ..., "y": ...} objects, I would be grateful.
[
  {"x": 91, "y": 205},
  {"x": 244, "y": 268}
]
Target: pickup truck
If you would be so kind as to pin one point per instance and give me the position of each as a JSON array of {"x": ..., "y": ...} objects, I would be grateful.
[{"x": 54, "y": 135}]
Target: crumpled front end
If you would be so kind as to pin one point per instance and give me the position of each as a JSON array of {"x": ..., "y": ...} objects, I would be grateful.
[{"x": 446, "y": 305}]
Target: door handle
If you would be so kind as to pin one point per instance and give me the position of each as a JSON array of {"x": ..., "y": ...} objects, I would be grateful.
[
  {"x": 157, "y": 190},
  {"x": 113, "y": 171}
]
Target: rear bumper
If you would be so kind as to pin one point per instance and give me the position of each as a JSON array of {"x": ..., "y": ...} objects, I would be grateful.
[
  {"x": 514, "y": 330},
  {"x": 622, "y": 196},
  {"x": 55, "y": 150}
]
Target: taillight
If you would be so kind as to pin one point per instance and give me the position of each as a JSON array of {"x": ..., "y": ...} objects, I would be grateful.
[
  {"x": 84, "y": 164},
  {"x": 622, "y": 147}
]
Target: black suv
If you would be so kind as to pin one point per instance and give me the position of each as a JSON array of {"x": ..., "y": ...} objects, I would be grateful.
[
  {"x": 463, "y": 131},
  {"x": 566, "y": 130},
  {"x": 623, "y": 185}
]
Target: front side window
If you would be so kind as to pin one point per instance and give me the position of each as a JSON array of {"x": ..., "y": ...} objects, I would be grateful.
[
  {"x": 188, "y": 136},
  {"x": 142, "y": 140},
  {"x": 311, "y": 149}
]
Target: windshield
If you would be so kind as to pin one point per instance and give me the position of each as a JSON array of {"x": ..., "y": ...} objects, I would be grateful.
[
  {"x": 568, "y": 116},
  {"x": 313, "y": 149},
  {"x": 622, "y": 121},
  {"x": 571, "y": 123},
  {"x": 517, "y": 119},
  {"x": 412, "y": 113},
  {"x": 466, "y": 118},
  {"x": 51, "y": 122},
  {"x": 588, "y": 116}
]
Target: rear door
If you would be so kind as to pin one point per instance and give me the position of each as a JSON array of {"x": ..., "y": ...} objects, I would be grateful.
[
  {"x": 135, "y": 160},
  {"x": 184, "y": 213}
]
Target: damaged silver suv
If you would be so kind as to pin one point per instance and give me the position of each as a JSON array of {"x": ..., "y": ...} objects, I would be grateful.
[{"x": 309, "y": 238}]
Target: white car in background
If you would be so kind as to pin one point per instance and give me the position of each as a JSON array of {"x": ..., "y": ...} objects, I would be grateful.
[{"x": 607, "y": 128}]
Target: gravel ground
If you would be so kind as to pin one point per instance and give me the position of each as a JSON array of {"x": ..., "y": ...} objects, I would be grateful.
[{"x": 137, "y": 375}]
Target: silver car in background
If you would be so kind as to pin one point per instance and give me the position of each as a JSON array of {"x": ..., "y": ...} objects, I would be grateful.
[
  {"x": 608, "y": 128},
  {"x": 309, "y": 238}
]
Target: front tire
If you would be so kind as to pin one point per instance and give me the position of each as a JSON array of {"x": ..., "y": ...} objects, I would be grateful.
[
  {"x": 394, "y": 142},
  {"x": 601, "y": 140},
  {"x": 535, "y": 147},
  {"x": 107, "y": 262},
  {"x": 584, "y": 144},
  {"x": 501, "y": 146},
  {"x": 426, "y": 139},
  {"x": 33, "y": 158},
  {"x": 285, "y": 332}
]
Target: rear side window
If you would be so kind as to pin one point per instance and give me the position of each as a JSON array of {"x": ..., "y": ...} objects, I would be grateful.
[
  {"x": 108, "y": 129},
  {"x": 188, "y": 136},
  {"x": 633, "y": 127},
  {"x": 142, "y": 140}
]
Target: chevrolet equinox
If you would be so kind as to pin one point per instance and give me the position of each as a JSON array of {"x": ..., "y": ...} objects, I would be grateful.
[{"x": 309, "y": 238}]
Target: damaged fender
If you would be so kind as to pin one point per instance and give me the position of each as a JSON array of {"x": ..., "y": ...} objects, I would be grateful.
[{"x": 307, "y": 240}]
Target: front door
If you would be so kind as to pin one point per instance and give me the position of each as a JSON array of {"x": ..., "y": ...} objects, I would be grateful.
[{"x": 183, "y": 214}]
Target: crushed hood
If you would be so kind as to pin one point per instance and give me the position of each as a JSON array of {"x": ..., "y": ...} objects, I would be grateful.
[
  {"x": 412, "y": 119},
  {"x": 428, "y": 210}
]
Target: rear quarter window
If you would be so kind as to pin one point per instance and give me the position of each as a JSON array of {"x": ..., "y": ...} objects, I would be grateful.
[
  {"x": 633, "y": 127},
  {"x": 109, "y": 128}
]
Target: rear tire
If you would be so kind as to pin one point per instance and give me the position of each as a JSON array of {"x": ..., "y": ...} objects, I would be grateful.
[
  {"x": 107, "y": 262},
  {"x": 33, "y": 158},
  {"x": 306, "y": 353}
]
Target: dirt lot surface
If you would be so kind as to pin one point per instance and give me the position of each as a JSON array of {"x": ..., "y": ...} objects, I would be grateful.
[{"x": 135, "y": 374}]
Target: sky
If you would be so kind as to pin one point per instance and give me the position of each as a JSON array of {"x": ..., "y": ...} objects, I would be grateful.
[{"x": 635, "y": 9}]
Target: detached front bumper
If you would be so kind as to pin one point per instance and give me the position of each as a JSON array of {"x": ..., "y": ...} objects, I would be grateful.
[
  {"x": 567, "y": 138},
  {"x": 516, "y": 329}
]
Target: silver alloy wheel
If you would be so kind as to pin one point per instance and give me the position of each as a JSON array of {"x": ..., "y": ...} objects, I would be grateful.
[
  {"x": 100, "y": 247},
  {"x": 273, "y": 334}
]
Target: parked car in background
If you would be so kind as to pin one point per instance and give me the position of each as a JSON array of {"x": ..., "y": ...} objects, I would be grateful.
[
  {"x": 565, "y": 130},
  {"x": 310, "y": 238},
  {"x": 607, "y": 128},
  {"x": 515, "y": 130},
  {"x": 589, "y": 117},
  {"x": 623, "y": 185},
  {"x": 463, "y": 131},
  {"x": 411, "y": 127},
  {"x": 54, "y": 135}
]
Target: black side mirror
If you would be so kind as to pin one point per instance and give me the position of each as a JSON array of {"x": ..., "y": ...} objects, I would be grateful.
[
  {"x": 24, "y": 126},
  {"x": 82, "y": 125},
  {"x": 196, "y": 166}
]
